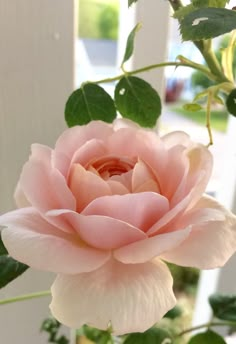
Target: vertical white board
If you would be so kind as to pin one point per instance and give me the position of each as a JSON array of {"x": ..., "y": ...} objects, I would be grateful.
[{"x": 36, "y": 77}]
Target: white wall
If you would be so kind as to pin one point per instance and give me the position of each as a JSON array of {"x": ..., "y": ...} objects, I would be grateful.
[{"x": 36, "y": 77}]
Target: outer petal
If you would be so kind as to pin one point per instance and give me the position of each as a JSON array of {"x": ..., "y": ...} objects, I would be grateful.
[
  {"x": 101, "y": 232},
  {"x": 45, "y": 187},
  {"x": 72, "y": 139},
  {"x": 144, "y": 250},
  {"x": 131, "y": 298},
  {"x": 176, "y": 138},
  {"x": 141, "y": 210},
  {"x": 33, "y": 241},
  {"x": 212, "y": 240}
]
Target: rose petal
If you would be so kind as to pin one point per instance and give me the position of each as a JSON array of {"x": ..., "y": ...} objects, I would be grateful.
[
  {"x": 212, "y": 241},
  {"x": 89, "y": 151},
  {"x": 33, "y": 241},
  {"x": 20, "y": 198},
  {"x": 145, "y": 250},
  {"x": 144, "y": 144},
  {"x": 86, "y": 186},
  {"x": 117, "y": 188},
  {"x": 72, "y": 139},
  {"x": 141, "y": 210},
  {"x": 143, "y": 179},
  {"x": 44, "y": 186},
  {"x": 197, "y": 176},
  {"x": 176, "y": 138},
  {"x": 100, "y": 231},
  {"x": 130, "y": 298}
]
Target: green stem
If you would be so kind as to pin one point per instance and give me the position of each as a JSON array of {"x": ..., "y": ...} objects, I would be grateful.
[
  {"x": 208, "y": 324},
  {"x": 205, "y": 49},
  {"x": 25, "y": 297},
  {"x": 189, "y": 64}
]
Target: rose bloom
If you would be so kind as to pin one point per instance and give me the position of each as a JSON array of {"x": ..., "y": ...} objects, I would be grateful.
[{"x": 104, "y": 209}]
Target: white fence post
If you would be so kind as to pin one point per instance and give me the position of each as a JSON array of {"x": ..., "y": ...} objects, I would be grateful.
[
  {"x": 151, "y": 40},
  {"x": 36, "y": 77}
]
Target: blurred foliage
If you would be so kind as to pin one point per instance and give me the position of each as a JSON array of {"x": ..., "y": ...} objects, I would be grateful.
[
  {"x": 51, "y": 326},
  {"x": 199, "y": 81},
  {"x": 98, "y": 19},
  {"x": 185, "y": 279}
]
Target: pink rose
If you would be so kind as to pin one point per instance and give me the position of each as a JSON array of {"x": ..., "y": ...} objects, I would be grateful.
[{"x": 104, "y": 209}]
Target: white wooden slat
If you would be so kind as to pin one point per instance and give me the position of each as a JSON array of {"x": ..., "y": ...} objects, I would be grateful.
[
  {"x": 36, "y": 77},
  {"x": 151, "y": 41}
]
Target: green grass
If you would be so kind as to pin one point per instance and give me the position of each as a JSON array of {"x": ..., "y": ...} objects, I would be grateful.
[
  {"x": 219, "y": 118},
  {"x": 98, "y": 18}
]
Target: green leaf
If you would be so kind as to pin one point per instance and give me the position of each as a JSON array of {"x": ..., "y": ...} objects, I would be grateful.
[
  {"x": 207, "y": 23},
  {"x": 130, "y": 43},
  {"x": 208, "y": 337},
  {"x": 3, "y": 250},
  {"x": 231, "y": 102},
  {"x": 210, "y": 3},
  {"x": 88, "y": 103},
  {"x": 223, "y": 306},
  {"x": 151, "y": 336},
  {"x": 137, "y": 100},
  {"x": 193, "y": 107},
  {"x": 10, "y": 269},
  {"x": 130, "y": 2},
  {"x": 174, "y": 313}
]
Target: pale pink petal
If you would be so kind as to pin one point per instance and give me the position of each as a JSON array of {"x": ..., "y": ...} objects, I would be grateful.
[
  {"x": 86, "y": 186},
  {"x": 20, "y": 198},
  {"x": 33, "y": 241},
  {"x": 176, "y": 170},
  {"x": 176, "y": 138},
  {"x": 44, "y": 187},
  {"x": 120, "y": 123},
  {"x": 145, "y": 250},
  {"x": 100, "y": 231},
  {"x": 130, "y": 298},
  {"x": 60, "y": 162},
  {"x": 125, "y": 179},
  {"x": 141, "y": 210},
  {"x": 117, "y": 188},
  {"x": 91, "y": 150},
  {"x": 142, "y": 144},
  {"x": 212, "y": 240},
  {"x": 72, "y": 139},
  {"x": 197, "y": 176},
  {"x": 143, "y": 175}
]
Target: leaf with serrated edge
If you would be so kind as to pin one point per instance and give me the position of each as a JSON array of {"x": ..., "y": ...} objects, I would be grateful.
[
  {"x": 136, "y": 100},
  {"x": 130, "y": 43},
  {"x": 207, "y": 23},
  {"x": 88, "y": 103}
]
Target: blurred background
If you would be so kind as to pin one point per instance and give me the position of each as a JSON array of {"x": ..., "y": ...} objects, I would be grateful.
[{"x": 47, "y": 50}]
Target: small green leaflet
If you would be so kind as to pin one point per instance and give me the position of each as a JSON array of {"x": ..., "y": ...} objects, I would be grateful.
[
  {"x": 136, "y": 100},
  {"x": 130, "y": 43},
  {"x": 130, "y": 2},
  {"x": 152, "y": 336},
  {"x": 207, "y": 23},
  {"x": 208, "y": 337},
  {"x": 174, "y": 313},
  {"x": 193, "y": 107},
  {"x": 88, "y": 103},
  {"x": 231, "y": 102},
  {"x": 223, "y": 306}
]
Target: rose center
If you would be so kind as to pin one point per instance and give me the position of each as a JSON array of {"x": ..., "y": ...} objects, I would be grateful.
[{"x": 112, "y": 165}]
